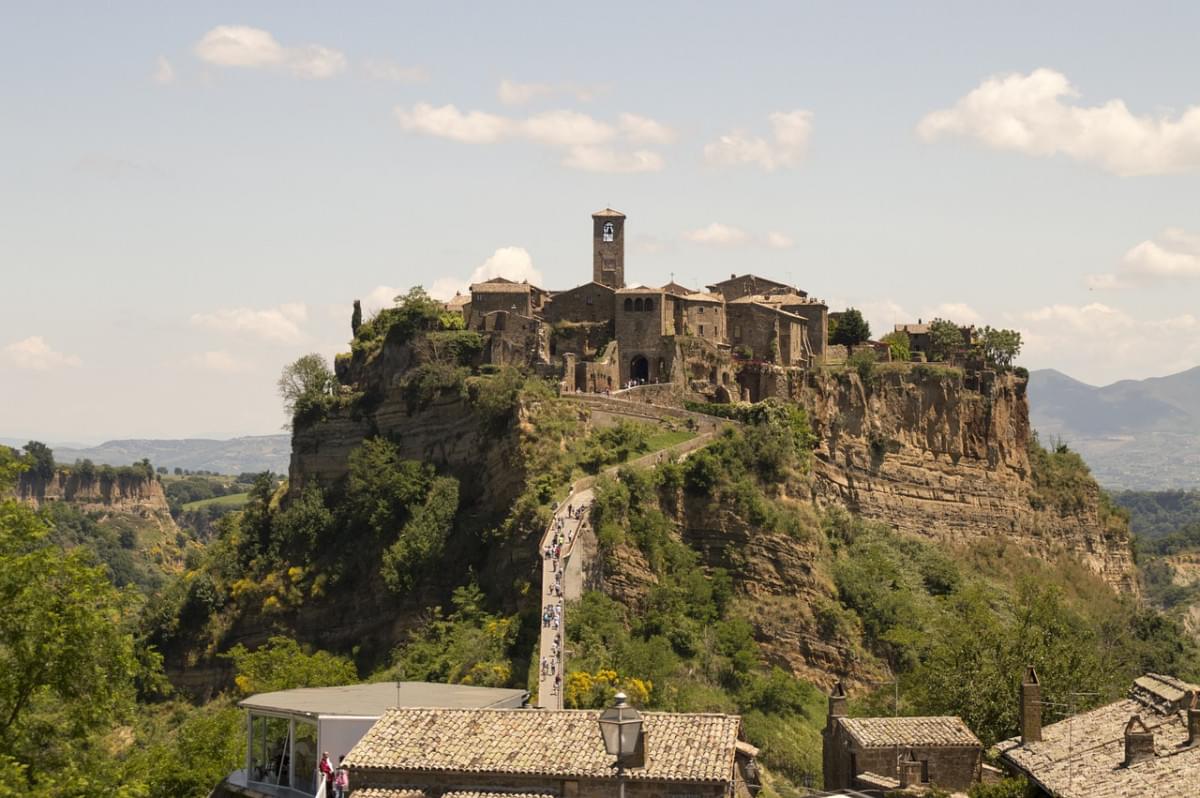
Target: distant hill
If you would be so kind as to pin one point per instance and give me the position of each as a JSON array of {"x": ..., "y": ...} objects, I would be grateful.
[
  {"x": 1135, "y": 434},
  {"x": 234, "y": 456}
]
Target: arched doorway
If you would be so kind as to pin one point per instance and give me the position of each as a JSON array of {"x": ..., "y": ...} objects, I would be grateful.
[{"x": 639, "y": 369}]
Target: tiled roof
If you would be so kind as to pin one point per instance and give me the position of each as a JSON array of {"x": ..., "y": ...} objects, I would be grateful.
[
  {"x": 1083, "y": 756},
  {"x": 500, "y": 288},
  {"x": 476, "y": 794},
  {"x": 889, "y": 732},
  {"x": 561, "y": 744},
  {"x": 700, "y": 296},
  {"x": 675, "y": 288},
  {"x": 610, "y": 212}
]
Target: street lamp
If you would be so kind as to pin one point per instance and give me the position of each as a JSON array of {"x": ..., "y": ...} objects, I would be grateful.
[{"x": 621, "y": 729}]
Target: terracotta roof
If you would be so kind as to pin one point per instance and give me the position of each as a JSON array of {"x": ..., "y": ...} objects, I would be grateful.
[
  {"x": 1083, "y": 756},
  {"x": 501, "y": 288},
  {"x": 476, "y": 794},
  {"x": 675, "y": 288},
  {"x": 609, "y": 212},
  {"x": 558, "y": 744},
  {"x": 458, "y": 300},
  {"x": 700, "y": 296},
  {"x": 888, "y": 732}
]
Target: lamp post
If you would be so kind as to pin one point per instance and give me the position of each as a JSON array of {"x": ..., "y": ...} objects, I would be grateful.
[{"x": 621, "y": 730}]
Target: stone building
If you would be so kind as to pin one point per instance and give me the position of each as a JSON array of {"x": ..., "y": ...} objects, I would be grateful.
[
  {"x": 882, "y": 754},
  {"x": 604, "y": 335},
  {"x": 438, "y": 753},
  {"x": 1145, "y": 745}
]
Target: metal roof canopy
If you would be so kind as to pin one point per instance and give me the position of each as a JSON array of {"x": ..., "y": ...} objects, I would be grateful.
[{"x": 370, "y": 700}]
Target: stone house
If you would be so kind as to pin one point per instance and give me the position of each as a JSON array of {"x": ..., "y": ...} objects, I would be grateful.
[
  {"x": 671, "y": 334},
  {"x": 439, "y": 753},
  {"x": 1146, "y": 745},
  {"x": 879, "y": 754}
]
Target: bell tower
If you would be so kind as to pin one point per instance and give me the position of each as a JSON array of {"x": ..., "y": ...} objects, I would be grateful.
[{"x": 608, "y": 248}]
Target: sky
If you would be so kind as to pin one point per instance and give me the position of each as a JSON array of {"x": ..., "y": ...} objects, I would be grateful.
[{"x": 192, "y": 195}]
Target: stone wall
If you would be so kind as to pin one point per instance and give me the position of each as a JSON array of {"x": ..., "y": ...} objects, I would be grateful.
[
  {"x": 516, "y": 300},
  {"x": 816, "y": 316},
  {"x": 640, "y": 333},
  {"x": 514, "y": 340},
  {"x": 436, "y": 783},
  {"x": 588, "y": 302}
]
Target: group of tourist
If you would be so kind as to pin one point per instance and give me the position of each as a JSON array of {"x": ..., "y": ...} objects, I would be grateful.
[
  {"x": 338, "y": 778},
  {"x": 558, "y": 542}
]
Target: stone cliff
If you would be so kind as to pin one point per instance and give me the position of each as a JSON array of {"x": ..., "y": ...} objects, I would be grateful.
[
  {"x": 123, "y": 493},
  {"x": 932, "y": 456}
]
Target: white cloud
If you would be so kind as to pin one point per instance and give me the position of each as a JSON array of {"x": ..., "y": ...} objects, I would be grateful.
[
  {"x": 645, "y": 130},
  {"x": 280, "y": 324},
  {"x": 1032, "y": 114},
  {"x": 511, "y": 263},
  {"x": 717, "y": 234},
  {"x": 243, "y": 46},
  {"x": 220, "y": 361},
  {"x": 1174, "y": 256},
  {"x": 587, "y": 143},
  {"x": 35, "y": 354},
  {"x": 511, "y": 92},
  {"x": 164, "y": 73},
  {"x": 779, "y": 241},
  {"x": 566, "y": 129},
  {"x": 474, "y": 127},
  {"x": 393, "y": 72},
  {"x": 610, "y": 161},
  {"x": 382, "y": 296},
  {"x": 787, "y": 146}
]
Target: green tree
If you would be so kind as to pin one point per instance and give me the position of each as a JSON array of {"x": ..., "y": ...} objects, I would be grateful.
[
  {"x": 1000, "y": 347},
  {"x": 305, "y": 385},
  {"x": 382, "y": 487},
  {"x": 356, "y": 318},
  {"x": 40, "y": 459},
  {"x": 69, "y": 666},
  {"x": 899, "y": 344},
  {"x": 945, "y": 339},
  {"x": 852, "y": 329},
  {"x": 283, "y": 665},
  {"x": 423, "y": 538}
]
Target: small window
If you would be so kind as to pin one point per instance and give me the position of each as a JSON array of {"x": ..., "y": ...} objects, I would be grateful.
[
  {"x": 649, "y": 304},
  {"x": 608, "y": 231},
  {"x": 637, "y": 305},
  {"x": 588, "y": 300},
  {"x": 628, "y": 304},
  {"x": 701, "y": 330},
  {"x": 701, "y": 309}
]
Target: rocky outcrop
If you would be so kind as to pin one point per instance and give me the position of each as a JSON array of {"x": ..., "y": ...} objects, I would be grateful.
[
  {"x": 115, "y": 492},
  {"x": 932, "y": 456}
]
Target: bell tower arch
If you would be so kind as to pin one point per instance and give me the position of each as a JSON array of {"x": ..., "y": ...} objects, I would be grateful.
[{"x": 608, "y": 248}]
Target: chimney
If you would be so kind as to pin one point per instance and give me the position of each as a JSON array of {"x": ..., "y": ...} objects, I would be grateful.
[
  {"x": 1193, "y": 720},
  {"x": 1031, "y": 707},
  {"x": 837, "y": 703},
  {"x": 910, "y": 770},
  {"x": 1139, "y": 742}
]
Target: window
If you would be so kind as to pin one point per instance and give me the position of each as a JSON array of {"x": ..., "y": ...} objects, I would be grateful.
[
  {"x": 588, "y": 300},
  {"x": 628, "y": 304},
  {"x": 700, "y": 309},
  {"x": 608, "y": 231},
  {"x": 649, "y": 304},
  {"x": 702, "y": 330},
  {"x": 637, "y": 305}
]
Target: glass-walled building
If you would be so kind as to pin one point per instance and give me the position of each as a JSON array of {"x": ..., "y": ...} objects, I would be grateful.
[{"x": 287, "y": 731}]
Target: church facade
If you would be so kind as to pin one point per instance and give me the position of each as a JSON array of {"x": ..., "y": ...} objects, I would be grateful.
[{"x": 604, "y": 334}]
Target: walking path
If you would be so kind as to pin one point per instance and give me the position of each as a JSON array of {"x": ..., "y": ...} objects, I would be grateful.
[{"x": 571, "y": 518}]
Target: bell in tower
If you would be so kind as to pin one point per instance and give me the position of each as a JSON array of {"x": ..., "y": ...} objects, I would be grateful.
[{"x": 608, "y": 248}]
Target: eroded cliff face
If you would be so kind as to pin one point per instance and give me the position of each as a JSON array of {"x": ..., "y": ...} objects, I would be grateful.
[
  {"x": 930, "y": 456},
  {"x": 123, "y": 493}
]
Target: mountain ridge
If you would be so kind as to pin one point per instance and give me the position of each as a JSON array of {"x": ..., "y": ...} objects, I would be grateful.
[
  {"x": 1134, "y": 434},
  {"x": 248, "y": 453}
]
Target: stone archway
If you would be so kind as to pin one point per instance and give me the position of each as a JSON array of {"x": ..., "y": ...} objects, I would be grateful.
[{"x": 639, "y": 369}]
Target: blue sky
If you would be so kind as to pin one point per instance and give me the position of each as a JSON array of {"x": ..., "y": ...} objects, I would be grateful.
[{"x": 192, "y": 195}]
